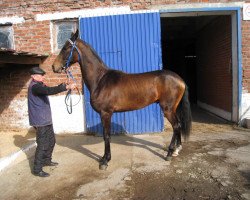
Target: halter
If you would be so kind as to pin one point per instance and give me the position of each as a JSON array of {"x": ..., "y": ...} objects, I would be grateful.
[
  {"x": 70, "y": 76},
  {"x": 73, "y": 44}
]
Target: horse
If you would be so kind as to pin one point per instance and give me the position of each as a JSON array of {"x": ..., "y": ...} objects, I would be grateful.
[{"x": 116, "y": 91}]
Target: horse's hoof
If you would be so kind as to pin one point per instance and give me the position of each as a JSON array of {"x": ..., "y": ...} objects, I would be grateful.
[
  {"x": 103, "y": 167},
  {"x": 168, "y": 158},
  {"x": 177, "y": 150},
  {"x": 175, "y": 153}
]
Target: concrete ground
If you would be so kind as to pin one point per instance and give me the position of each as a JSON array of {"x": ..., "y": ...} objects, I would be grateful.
[{"x": 214, "y": 164}]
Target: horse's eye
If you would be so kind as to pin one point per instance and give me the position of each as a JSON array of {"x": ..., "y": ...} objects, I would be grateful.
[{"x": 63, "y": 49}]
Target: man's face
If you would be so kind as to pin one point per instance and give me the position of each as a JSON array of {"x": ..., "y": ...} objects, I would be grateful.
[{"x": 38, "y": 77}]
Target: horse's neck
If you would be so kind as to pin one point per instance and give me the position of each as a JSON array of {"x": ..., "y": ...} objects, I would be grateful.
[
  {"x": 92, "y": 77},
  {"x": 92, "y": 69}
]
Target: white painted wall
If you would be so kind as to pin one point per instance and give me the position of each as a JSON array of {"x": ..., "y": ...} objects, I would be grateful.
[
  {"x": 63, "y": 121},
  {"x": 245, "y": 105}
]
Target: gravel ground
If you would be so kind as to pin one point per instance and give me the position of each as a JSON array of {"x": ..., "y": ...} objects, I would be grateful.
[{"x": 213, "y": 164}]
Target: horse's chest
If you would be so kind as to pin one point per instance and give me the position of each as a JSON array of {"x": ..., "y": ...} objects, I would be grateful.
[{"x": 101, "y": 101}]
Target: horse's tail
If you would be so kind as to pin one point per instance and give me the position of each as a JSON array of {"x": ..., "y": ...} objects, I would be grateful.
[{"x": 184, "y": 115}]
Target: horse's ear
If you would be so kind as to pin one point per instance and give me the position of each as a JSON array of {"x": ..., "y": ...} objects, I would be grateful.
[{"x": 74, "y": 36}]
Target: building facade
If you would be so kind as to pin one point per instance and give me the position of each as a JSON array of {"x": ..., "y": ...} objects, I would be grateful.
[{"x": 206, "y": 42}]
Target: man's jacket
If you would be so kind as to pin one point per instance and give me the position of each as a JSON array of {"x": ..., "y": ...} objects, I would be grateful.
[{"x": 38, "y": 102}]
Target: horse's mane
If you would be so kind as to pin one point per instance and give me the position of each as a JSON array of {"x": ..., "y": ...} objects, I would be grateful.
[{"x": 94, "y": 52}]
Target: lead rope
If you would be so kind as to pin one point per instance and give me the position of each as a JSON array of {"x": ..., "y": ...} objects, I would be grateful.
[{"x": 68, "y": 98}]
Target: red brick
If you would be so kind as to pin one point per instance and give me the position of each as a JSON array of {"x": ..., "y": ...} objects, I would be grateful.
[{"x": 218, "y": 92}]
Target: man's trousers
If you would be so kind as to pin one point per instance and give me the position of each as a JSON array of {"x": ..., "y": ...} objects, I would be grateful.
[{"x": 45, "y": 139}]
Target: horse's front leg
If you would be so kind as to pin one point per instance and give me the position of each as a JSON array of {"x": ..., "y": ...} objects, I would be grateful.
[{"x": 106, "y": 122}]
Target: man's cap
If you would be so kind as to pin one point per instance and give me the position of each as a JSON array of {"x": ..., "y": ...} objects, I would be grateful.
[{"x": 37, "y": 70}]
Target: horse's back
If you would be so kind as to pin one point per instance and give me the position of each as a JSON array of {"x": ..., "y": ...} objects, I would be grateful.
[{"x": 114, "y": 76}]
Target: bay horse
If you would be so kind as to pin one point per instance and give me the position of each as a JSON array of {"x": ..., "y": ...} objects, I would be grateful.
[{"x": 115, "y": 91}]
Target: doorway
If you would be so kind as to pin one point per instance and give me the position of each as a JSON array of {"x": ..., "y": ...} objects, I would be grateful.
[{"x": 200, "y": 48}]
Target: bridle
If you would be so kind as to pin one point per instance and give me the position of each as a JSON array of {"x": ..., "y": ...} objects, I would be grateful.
[
  {"x": 67, "y": 64},
  {"x": 67, "y": 71}
]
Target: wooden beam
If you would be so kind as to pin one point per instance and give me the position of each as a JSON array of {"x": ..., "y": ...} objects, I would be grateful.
[{"x": 21, "y": 59}]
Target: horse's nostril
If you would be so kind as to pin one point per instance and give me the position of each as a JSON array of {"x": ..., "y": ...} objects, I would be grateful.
[{"x": 53, "y": 68}]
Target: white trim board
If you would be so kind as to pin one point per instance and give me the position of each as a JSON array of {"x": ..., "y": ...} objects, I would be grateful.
[
  {"x": 197, "y": 5},
  {"x": 84, "y": 12},
  {"x": 217, "y": 111},
  {"x": 96, "y": 12},
  {"x": 12, "y": 20}
]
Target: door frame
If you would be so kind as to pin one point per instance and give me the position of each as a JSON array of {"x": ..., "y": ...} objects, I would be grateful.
[{"x": 235, "y": 13}]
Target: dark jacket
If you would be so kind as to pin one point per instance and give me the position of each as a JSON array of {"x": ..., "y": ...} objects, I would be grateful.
[{"x": 38, "y": 102}]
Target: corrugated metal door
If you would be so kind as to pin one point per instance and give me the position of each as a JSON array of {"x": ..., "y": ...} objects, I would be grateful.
[{"x": 129, "y": 42}]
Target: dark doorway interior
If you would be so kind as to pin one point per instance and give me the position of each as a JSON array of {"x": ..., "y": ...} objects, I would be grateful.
[
  {"x": 198, "y": 48},
  {"x": 178, "y": 49}
]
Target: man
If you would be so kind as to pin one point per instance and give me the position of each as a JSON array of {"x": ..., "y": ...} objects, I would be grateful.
[{"x": 40, "y": 118}]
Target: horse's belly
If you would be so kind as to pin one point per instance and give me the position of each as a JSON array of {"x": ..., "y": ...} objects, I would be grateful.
[
  {"x": 125, "y": 99},
  {"x": 134, "y": 103}
]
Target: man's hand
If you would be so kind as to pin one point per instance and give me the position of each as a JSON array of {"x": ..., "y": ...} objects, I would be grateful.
[{"x": 71, "y": 86}]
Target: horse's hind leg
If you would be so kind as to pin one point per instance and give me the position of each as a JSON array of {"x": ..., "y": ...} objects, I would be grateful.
[
  {"x": 176, "y": 138},
  {"x": 178, "y": 144}
]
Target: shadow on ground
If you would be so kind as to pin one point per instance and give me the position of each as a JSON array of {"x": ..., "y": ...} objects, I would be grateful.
[
  {"x": 23, "y": 141},
  {"x": 80, "y": 143}
]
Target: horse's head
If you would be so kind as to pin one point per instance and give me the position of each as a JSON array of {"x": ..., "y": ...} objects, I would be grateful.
[{"x": 64, "y": 59}]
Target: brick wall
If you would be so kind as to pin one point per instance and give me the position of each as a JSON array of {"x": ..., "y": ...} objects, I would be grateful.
[
  {"x": 34, "y": 36},
  {"x": 246, "y": 56},
  {"x": 215, "y": 75},
  {"x": 13, "y": 98}
]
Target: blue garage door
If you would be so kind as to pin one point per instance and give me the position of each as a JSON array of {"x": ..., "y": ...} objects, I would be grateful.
[{"x": 131, "y": 43}]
